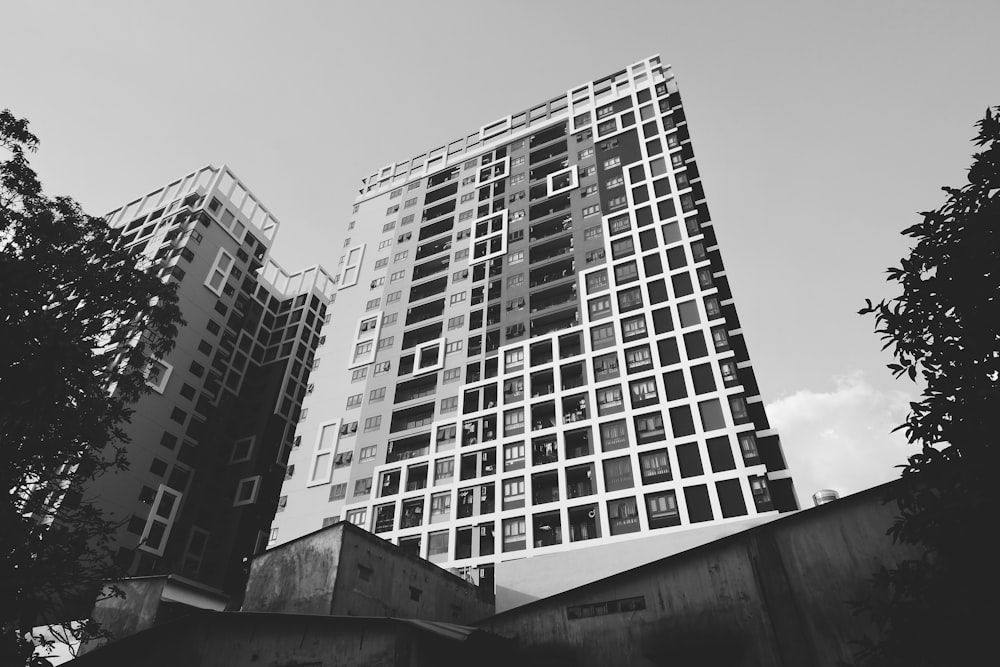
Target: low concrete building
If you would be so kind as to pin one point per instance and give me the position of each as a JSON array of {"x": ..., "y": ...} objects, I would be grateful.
[
  {"x": 241, "y": 639},
  {"x": 776, "y": 594},
  {"x": 343, "y": 570}
]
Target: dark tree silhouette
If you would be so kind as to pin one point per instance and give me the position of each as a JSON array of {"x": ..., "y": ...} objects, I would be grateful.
[
  {"x": 79, "y": 319},
  {"x": 944, "y": 331}
]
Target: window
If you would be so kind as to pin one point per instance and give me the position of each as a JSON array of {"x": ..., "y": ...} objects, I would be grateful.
[
  {"x": 457, "y": 298},
  {"x": 382, "y": 263},
  {"x": 515, "y": 281},
  {"x": 449, "y": 404},
  {"x": 362, "y": 349},
  {"x": 354, "y": 401},
  {"x": 618, "y": 474},
  {"x": 407, "y": 219},
  {"x": 638, "y": 358},
  {"x": 592, "y": 233},
  {"x": 377, "y": 282},
  {"x": 368, "y": 453},
  {"x": 585, "y": 153},
  {"x": 626, "y": 273},
  {"x": 634, "y": 327},
  {"x": 643, "y": 391},
  {"x": 513, "y": 422},
  {"x": 384, "y": 244},
  {"x": 376, "y": 395},
  {"x": 444, "y": 469},
  {"x": 363, "y": 487},
  {"x": 452, "y": 375},
  {"x": 400, "y": 255},
  {"x": 599, "y": 307},
  {"x": 398, "y": 275},
  {"x": 513, "y": 534},
  {"x": 389, "y": 319},
  {"x": 395, "y": 193},
  {"x": 615, "y": 181},
  {"x": 662, "y": 509},
  {"x": 588, "y": 191},
  {"x": 392, "y": 209},
  {"x": 515, "y": 257},
  {"x": 513, "y": 456},
  {"x": 359, "y": 374},
  {"x": 462, "y": 254},
  {"x": 602, "y": 336},
  {"x": 459, "y": 275},
  {"x": 591, "y": 210},
  {"x": 393, "y": 297},
  {"x": 386, "y": 342},
  {"x": 441, "y": 505},
  {"x": 517, "y": 162},
  {"x": 219, "y": 273},
  {"x": 655, "y": 467},
  {"x": 387, "y": 226},
  {"x": 453, "y": 346},
  {"x": 373, "y": 423},
  {"x": 517, "y": 178},
  {"x": 629, "y": 299},
  {"x": 402, "y": 238},
  {"x": 468, "y": 196},
  {"x": 410, "y": 202},
  {"x": 609, "y": 399},
  {"x": 373, "y": 304},
  {"x": 246, "y": 491},
  {"x": 513, "y": 359},
  {"x": 611, "y": 163}
]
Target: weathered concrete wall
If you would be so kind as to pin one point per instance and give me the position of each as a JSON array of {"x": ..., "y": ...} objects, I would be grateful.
[
  {"x": 343, "y": 570},
  {"x": 772, "y": 595},
  {"x": 225, "y": 639},
  {"x": 297, "y": 577},
  {"x": 525, "y": 580},
  {"x": 135, "y": 612},
  {"x": 402, "y": 585}
]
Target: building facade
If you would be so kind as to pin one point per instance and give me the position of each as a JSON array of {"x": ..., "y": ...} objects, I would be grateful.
[
  {"x": 534, "y": 345},
  {"x": 208, "y": 445}
]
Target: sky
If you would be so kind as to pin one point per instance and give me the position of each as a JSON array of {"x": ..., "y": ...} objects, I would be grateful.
[{"x": 821, "y": 129}]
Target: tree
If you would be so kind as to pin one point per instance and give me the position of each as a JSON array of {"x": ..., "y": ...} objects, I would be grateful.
[
  {"x": 944, "y": 331},
  {"x": 79, "y": 321}
]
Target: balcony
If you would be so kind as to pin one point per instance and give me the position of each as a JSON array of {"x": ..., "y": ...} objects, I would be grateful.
[
  {"x": 544, "y": 488},
  {"x": 541, "y": 353},
  {"x": 411, "y": 418},
  {"x": 424, "y": 334},
  {"x": 428, "y": 289},
  {"x": 442, "y": 226},
  {"x": 547, "y": 529},
  {"x": 542, "y": 383},
  {"x": 575, "y": 408},
  {"x": 583, "y": 523},
  {"x": 544, "y": 450},
  {"x": 547, "y": 135},
  {"x": 385, "y": 518},
  {"x": 580, "y": 481},
  {"x": 545, "y": 154},
  {"x": 578, "y": 443},
  {"x": 416, "y": 476},
  {"x": 413, "y": 513},
  {"x": 433, "y": 248},
  {"x": 553, "y": 227},
  {"x": 550, "y": 206},
  {"x": 440, "y": 193},
  {"x": 442, "y": 209},
  {"x": 389, "y": 485},
  {"x": 550, "y": 250},
  {"x": 563, "y": 269},
  {"x": 427, "y": 311},
  {"x": 430, "y": 268},
  {"x": 408, "y": 448},
  {"x": 553, "y": 298},
  {"x": 572, "y": 376},
  {"x": 442, "y": 177},
  {"x": 555, "y": 321}
]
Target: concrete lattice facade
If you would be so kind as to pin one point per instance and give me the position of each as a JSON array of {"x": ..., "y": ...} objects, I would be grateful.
[
  {"x": 208, "y": 445},
  {"x": 534, "y": 345}
]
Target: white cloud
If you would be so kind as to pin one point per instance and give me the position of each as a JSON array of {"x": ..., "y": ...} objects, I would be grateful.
[{"x": 842, "y": 439}]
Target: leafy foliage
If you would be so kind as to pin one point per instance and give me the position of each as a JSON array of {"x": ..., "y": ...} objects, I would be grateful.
[
  {"x": 944, "y": 330},
  {"x": 78, "y": 319}
]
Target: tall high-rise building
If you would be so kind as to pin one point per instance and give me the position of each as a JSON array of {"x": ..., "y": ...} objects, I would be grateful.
[
  {"x": 534, "y": 345},
  {"x": 208, "y": 445}
]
